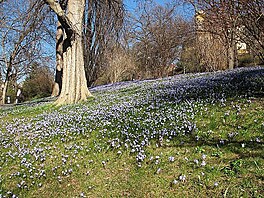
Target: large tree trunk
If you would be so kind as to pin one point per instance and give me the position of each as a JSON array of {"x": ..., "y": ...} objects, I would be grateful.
[
  {"x": 56, "y": 90},
  {"x": 74, "y": 84}
]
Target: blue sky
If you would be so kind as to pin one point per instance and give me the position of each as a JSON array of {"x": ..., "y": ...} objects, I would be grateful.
[
  {"x": 130, "y": 4},
  {"x": 185, "y": 10}
]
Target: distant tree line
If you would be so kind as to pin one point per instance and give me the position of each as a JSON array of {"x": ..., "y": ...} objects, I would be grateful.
[{"x": 152, "y": 41}]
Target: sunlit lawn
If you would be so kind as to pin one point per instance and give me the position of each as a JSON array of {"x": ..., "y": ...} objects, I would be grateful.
[{"x": 141, "y": 139}]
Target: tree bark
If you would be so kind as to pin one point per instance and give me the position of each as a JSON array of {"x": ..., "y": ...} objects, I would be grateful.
[
  {"x": 74, "y": 84},
  {"x": 6, "y": 82},
  {"x": 231, "y": 54},
  {"x": 56, "y": 90},
  {"x": 4, "y": 92}
]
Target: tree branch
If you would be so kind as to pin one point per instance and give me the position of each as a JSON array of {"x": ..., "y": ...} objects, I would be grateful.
[{"x": 63, "y": 19}]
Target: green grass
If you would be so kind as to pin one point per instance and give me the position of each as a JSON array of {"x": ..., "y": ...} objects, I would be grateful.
[{"x": 233, "y": 168}]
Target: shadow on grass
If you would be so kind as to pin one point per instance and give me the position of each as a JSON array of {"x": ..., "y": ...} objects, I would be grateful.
[
  {"x": 229, "y": 84},
  {"x": 30, "y": 103},
  {"x": 242, "y": 148}
]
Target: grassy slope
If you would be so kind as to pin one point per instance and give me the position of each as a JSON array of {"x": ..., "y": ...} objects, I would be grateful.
[{"x": 222, "y": 156}]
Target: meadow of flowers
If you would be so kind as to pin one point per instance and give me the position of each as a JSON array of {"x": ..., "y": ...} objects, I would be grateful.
[{"x": 162, "y": 129}]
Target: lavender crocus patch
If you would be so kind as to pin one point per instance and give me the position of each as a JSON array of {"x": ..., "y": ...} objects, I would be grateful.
[{"x": 124, "y": 117}]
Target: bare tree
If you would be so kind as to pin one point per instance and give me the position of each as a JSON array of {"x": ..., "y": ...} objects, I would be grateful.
[
  {"x": 121, "y": 65},
  {"x": 210, "y": 46},
  {"x": 102, "y": 26},
  {"x": 221, "y": 19},
  {"x": 233, "y": 21},
  {"x": 252, "y": 26},
  {"x": 20, "y": 39},
  {"x": 158, "y": 37}
]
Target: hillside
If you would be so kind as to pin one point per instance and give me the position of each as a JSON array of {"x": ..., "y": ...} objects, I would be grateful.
[{"x": 181, "y": 136}]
